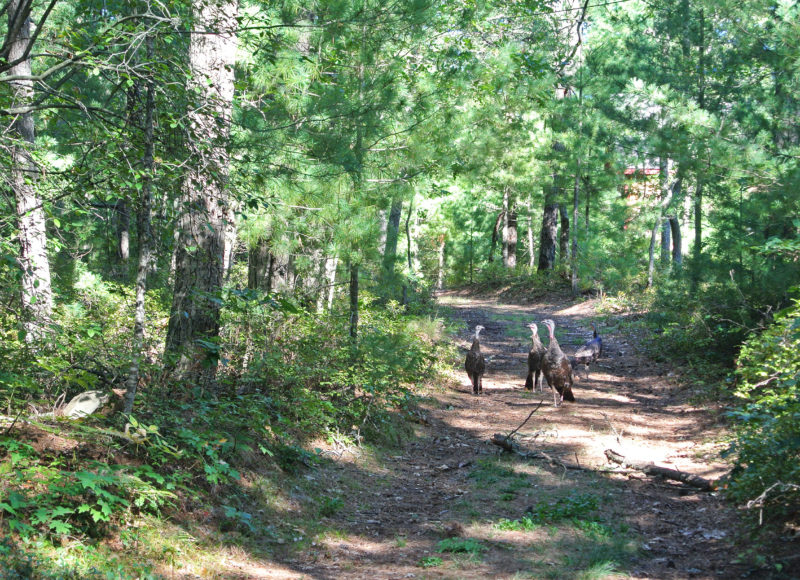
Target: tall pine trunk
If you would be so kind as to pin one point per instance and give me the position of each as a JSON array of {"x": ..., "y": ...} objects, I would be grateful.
[
  {"x": 575, "y": 206},
  {"x": 563, "y": 238},
  {"x": 195, "y": 312},
  {"x": 390, "y": 245},
  {"x": 531, "y": 249},
  {"x": 547, "y": 239},
  {"x": 497, "y": 223},
  {"x": 509, "y": 230},
  {"x": 664, "y": 177},
  {"x": 354, "y": 301},
  {"x": 37, "y": 294},
  {"x": 258, "y": 263},
  {"x": 677, "y": 254}
]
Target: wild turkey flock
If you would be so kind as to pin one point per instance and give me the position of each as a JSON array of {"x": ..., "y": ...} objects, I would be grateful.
[{"x": 549, "y": 363}]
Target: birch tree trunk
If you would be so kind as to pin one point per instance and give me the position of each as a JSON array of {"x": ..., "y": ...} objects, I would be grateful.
[
  {"x": 202, "y": 224},
  {"x": 143, "y": 219},
  {"x": 37, "y": 294}
]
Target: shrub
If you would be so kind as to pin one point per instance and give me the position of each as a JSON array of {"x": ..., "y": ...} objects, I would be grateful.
[{"x": 767, "y": 420}]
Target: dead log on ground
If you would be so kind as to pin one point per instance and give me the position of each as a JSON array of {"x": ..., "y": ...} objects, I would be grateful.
[{"x": 652, "y": 469}]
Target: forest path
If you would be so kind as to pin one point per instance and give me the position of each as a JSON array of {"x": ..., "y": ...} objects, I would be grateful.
[{"x": 450, "y": 482}]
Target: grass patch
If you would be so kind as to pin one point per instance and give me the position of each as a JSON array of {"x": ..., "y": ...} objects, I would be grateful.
[
  {"x": 572, "y": 506},
  {"x": 460, "y": 545},
  {"x": 526, "y": 524},
  {"x": 430, "y": 562}
]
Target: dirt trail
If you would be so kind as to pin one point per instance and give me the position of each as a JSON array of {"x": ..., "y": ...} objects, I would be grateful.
[{"x": 447, "y": 483}]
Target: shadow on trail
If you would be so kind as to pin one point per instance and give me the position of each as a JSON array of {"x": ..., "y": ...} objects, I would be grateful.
[{"x": 500, "y": 515}]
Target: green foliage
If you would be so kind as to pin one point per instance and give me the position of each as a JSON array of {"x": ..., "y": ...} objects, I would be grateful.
[
  {"x": 578, "y": 509},
  {"x": 460, "y": 545},
  {"x": 313, "y": 380},
  {"x": 767, "y": 419},
  {"x": 526, "y": 524},
  {"x": 571, "y": 506},
  {"x": 330, "y": 506},
  {"x": 43, "y": 498},
  {"x": 430, "y": 562}
]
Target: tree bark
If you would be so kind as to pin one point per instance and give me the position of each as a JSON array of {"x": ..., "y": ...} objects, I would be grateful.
[
  {"x": 354, "y": 302},
  {"x": 666, "y": 198},
  {"x": 195, "y": 311},
  {"x": 547, "y": 239},
  {"x": 123, "y": 231},
  {"x": 37, "y": 294},
  {"x": 440, "y": 277},
  {"x": 143, "y": 222},
  {"x": 258, "y": 263},
  {"x": 664, "y": 176},
  {"x": 531, "y": 249},
  {"x": 563, "y": 239},
  {"x": 575, "y": 207},
  {"x": 495, "y": 232},
  {"x": 509, "y": 231},
  {"x": 330, "y": 273},
  {"x": 677, "y": 255},
  {"x": 392, "y": 236}
]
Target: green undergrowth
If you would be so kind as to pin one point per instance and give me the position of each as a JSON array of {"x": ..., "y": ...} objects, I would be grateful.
[
  {"x": 219, "y": 463},
  {"x": 570, "y": 528}
]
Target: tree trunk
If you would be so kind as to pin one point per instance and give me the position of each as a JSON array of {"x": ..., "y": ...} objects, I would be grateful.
[
  {"x": 230, "y": 242},
  {"x": 354, "y": 302},
  {"x": 575, "y": 206},
  {"x": 697, "y": 248},
  {"x": 37, "y": 294},
  {"x": 563, "y": 239},
  {"x": 495, "y": 232},
  {"x": 195, "y": 311},
  {"x": 440, "y": 277},
  {"x": 143, "y": 219},
  {"x": 666, "y": 198},
  {"x": 123, "y": 231},
  {"x": 677, "y": 254},
  {"x": 409, "y": 255},
  {"x": 509, "y": 231},
  {"x": 330, "y": 274},
  {"x": 258, "y": 262},
  {"x": 547, "y": 239},
  {"x": 392, "y": 236},
  {"x": 664, "y": 176},
  {"x": 327, "y": 280},
  {"x": 531, "y": 249},
  {"x": 651, "y": 264}
]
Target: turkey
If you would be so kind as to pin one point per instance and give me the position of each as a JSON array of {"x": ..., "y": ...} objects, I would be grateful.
[
  {"x": 475, "y": 364},
  {"x": 535, "y": 360},
  {"x": 557, "y": 369},
  {"x": 589, "y": 352}
]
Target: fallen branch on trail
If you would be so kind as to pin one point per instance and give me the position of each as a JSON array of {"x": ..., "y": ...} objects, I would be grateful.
[
  {"x": 510, "y": 445},
  {"x": 506, "y": 443},
  {"x": 665, "y": 472}
]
